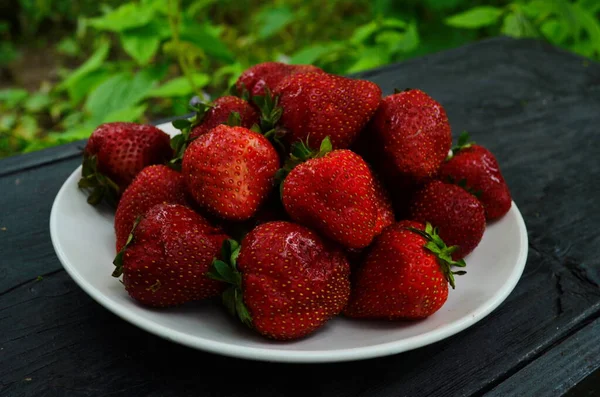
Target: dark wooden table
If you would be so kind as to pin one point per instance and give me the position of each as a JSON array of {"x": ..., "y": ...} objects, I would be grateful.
[{"x": 536, "y": 107}]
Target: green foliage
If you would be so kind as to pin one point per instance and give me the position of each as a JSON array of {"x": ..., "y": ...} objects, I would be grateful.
[{"x": 140, "y": 60}]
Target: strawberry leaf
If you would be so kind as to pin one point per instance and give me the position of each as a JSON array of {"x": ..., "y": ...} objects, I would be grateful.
[
  {"x": 234, "y": 119},
  {"x": 118, "y": 261},
  {"x": 462, "y": 143},
  {"x": 225, "y": 270},
  {"x": 436, "y": 245},
  {"x": 180, "y": 142},
  {"x": 100, "y": 187}
]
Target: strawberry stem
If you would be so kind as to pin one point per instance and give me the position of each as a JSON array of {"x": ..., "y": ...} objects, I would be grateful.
[
  {"x": 299, "y": 153},
  {"x": 225, "y": 270},
  {"x": 436, "y": 245},
  {"x": 180, "y": 142},
  {"x": 118, "y": 261},
  {"x": 102, "y": 188},
  {"x": 462, "y": 143}
]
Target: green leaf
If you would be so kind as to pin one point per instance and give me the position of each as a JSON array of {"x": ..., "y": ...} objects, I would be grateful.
[
  {"x": 476, "y": 17},
  {"x": 116, "y": 93},
  {"x": 11, "y": 97},
  {"x": 270, "y": 20},
  {"x": 517, "y": 24},
  {"x": 443, "y": 4},
  {"x": 37, "y": 102},
  {"x": 86, "y": 84},
  {"x": 179, "y": 86},
  {"x": 363, "y": 33},
  {"x": 592, "y": 6},
  {"x": 309, "y": 55},
  {"x": 141, "y": 43},
  {"x": 7, "y": 121},
  {"x": 591, "y": 25},
  {"x": 127, "y": 16},
  {"x": 93, "y": 63},
  {"x": 27, "y": 127},
  {"x": 368, "y": 59},
  {"x": 395, "y": 41},
  {"x": 68, "y": 46},
  {"x": 204, "y": 38},
  {"x": 132, "y": 113},
  {"x": 554, "y": 31}
]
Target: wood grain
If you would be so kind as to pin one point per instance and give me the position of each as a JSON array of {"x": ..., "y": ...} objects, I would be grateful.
[{"x": 536, "y": 107}]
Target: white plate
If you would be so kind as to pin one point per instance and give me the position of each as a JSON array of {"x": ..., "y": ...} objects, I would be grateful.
[{"x": 84, "y": 241}]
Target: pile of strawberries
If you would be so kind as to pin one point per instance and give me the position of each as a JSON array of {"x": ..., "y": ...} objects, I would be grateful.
[{"x": 298, "y": 197}]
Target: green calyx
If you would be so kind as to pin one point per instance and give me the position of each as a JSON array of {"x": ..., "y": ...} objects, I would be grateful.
[
  {"x": 462, "y": 143},
  {"x": 225, "y": 270},
  {"x": 270, "y": 114},
  {"x": 180, "y": 142},
  {"x": 118, "y": 261},
  {"x": 463, "y": 183},
  {"x": 299, "y": 153},
  {"x": 398, "y": 91},
  {"x": 444, "y": 253},
  {"x": 101, "y": 187}
]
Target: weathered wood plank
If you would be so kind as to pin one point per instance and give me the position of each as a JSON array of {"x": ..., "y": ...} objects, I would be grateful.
[{"x": 558, "y": 371}]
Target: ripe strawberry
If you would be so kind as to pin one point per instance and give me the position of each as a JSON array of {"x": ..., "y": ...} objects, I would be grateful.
[
  {"x": 165, "y": 261},
  {"x": 412, "y": 135},
  {"x": 288, "y": 281},
  {"x": 405, "y": 274},
  {"x": 332, "y": 192},
  {"x": 316, "y": 105},
  {"x": 156, "y": 184},
  {"x": 115, "y": 153},
  {"x": 476, "y": 168},
  {"x": 457, "y": 214},
  {"x": 230, "y": 171},
  {"x": 383, "y": 205},
  {"x": 220, "y": 111},
  {"x": 269, "y": 74}
]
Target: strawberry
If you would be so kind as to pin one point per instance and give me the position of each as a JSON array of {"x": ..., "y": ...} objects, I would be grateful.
[
  {"x": 316, "y": 105},
  {"x": 156, "y": 184},
  {"x": 457, "y": 214},
  {"x": 115, "y": 153},
  {"x": 476, "y": 168},
  {"x": 412, "y": 136},
  {"x": 332, "y": 192},
  {"x": 268, "y": 74},
  {"x": 383, "y": 205},
  {"x": 405, "y": 274},
  {"x": 165, "y": 260},
  {"x": 230, "y": 171},
  {"x": 286, "y": 281},
  {"x": 220, "y": 111}
]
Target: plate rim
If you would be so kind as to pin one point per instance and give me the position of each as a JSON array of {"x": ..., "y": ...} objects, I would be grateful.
[{"x": 284, "y": 355}]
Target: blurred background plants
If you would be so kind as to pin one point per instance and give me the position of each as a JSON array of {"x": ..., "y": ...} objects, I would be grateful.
[{"x": 69, "y": 65}]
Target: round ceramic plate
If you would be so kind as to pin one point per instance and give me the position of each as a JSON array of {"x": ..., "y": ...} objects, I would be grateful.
[{"x": 84, "y": 241}]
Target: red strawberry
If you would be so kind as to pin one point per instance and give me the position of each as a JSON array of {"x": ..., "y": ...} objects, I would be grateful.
[
  {"x": 476, "y": 168},
  {"x": 115, "y": 153},
  {"x": 457, "y": 214},
  {"x": 220, "y": 111},
  {"x": 230, "y": 171},
  {"x": 269, "y": 74},
  {"x": 405, "y": 274},
  {"x": 332, "y": 192},
  {"x": 166, "y": 261},
  {"x": 288, "y": 282},
  {"x": 383, "y": 204},
  {"x": 316, "y": 105},
  {"x": 412, "y": 135},
  {"x": 156, "y": 184}
]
